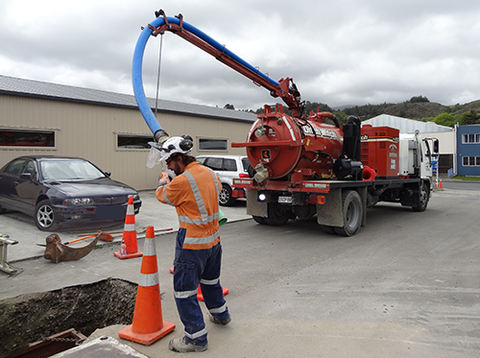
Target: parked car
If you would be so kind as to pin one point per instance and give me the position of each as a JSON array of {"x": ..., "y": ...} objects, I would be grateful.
[
  {"x": 60, "y": 190},
  {"x": 227, "y": 167}
]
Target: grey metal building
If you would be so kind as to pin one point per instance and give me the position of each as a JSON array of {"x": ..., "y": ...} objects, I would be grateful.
[{"x": 106, "y": 128}]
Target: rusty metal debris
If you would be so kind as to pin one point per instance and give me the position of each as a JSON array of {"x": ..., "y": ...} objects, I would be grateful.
[
  {"x": 51, "y": 345},
  {"x": 56, "y": 252}
]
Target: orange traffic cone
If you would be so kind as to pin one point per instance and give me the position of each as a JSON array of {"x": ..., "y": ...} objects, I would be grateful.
[
  {"x": 199, "y": 292},
  {"x": 441, "y": 184},
  {"x": 148, "y": 325},
  {"x": 129, "y": 235},
  {"x": 200, "y": 295}
]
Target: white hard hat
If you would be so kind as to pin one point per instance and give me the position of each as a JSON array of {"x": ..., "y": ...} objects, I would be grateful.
[{"x": 174, "y": 145}]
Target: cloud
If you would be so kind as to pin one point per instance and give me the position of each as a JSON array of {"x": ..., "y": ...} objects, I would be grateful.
[{"x": 340, "y": 53}]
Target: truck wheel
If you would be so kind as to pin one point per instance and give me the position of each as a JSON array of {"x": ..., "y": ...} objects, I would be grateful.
[
  {"x": 327, "y": 229},
  {"x": 352, "y": 213},
  {"x": 259, "y": 219},
  {"x": 44, "y": 216},
  {"x": 423, "y": 197},
  {"x": 225, "y": 198},
  {"x": 277, "y": 214}
]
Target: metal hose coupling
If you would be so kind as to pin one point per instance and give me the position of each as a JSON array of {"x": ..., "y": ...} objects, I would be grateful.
[
  {"x": 261, "y": 173},
  {"x": 161, "y": 136}
]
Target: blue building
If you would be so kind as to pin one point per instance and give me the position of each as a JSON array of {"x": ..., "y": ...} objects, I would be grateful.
[{"x": 468, "y": 150}]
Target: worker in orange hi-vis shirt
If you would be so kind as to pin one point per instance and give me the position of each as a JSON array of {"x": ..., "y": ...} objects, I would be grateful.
[{"x": 198, "y": 252}]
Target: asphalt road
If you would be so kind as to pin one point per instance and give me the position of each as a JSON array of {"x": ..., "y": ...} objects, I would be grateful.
[
  {"x": 406, "y": 286},
  {"x": 461, "y": 185}
]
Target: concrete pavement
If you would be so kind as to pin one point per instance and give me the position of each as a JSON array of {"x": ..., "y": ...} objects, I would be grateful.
[
  {"x": 21, "y": 227},
  {"x": 405, "y": 286},
  {"x": 36, "y": 274}
]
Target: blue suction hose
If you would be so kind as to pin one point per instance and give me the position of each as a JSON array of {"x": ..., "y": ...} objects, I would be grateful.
[{"x": 138, "y": 89}]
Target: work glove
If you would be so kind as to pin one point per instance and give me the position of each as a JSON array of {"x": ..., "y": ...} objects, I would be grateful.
[{"x": 164, "y": 179}]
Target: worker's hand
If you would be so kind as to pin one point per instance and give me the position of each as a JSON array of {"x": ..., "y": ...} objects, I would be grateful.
[{"x": 164, "y": 179}]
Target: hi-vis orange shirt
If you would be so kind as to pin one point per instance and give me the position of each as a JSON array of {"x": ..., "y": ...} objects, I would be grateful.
[{"x": 195, "y": 197}]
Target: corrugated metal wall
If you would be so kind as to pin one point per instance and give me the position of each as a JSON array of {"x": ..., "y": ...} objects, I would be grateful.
[{"x": 90, "y": 131}]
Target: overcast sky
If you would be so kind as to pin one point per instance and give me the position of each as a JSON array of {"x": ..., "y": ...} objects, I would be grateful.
[{"x": 342, "y": 52}]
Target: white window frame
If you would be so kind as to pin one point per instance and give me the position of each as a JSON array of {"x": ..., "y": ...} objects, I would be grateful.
[
  {"x": 31, "y": 131},
  {"x": 470, "y": 138},
  {"x": 468, "y": 160},
  {"x": 213, "y": 139}
]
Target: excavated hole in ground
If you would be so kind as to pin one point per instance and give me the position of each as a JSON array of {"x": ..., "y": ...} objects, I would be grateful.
[{"x": 29, "y": 318}]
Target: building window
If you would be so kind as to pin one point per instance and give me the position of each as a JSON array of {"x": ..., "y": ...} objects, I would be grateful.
[
  {"x": 212, "y": 144},
  {"x": 27, "y": 138},
  {"x": 471, "y": 161},
  {"x": 471, "y": 138},
  {"x": 133, "y": 142}
]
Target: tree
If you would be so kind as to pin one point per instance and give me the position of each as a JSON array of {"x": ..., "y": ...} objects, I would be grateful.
[
  {"x": 470, "y": 118},
  {"x": 418, "y": 99},
  {"x": 445, "y": 119}
]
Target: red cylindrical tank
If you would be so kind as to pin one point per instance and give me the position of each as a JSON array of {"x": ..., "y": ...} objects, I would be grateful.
[{"x": 284, "y": 144}]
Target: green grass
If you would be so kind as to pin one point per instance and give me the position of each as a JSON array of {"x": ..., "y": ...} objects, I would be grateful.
[{"x": 460, "y": 177}]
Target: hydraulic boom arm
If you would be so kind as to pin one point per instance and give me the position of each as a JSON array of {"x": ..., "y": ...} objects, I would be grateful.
[{"x": 289, "y": 93}]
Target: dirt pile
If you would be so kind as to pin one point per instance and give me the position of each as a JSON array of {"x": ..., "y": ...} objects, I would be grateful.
[{"x": 29, "y": 318}]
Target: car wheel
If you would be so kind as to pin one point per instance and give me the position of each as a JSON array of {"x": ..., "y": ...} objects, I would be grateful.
[
  {"x": 45, "y": 216},
  {"x": 2, "y": 210},
  {"x": 225, "y": 197}
]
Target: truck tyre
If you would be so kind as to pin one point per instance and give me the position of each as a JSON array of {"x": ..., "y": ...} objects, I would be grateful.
[
  {"x": 423, "y": 197},
  {"x": 45, "y": 216},
  {"x": 352, "y": 209},
  {"x": 225, "y": 198},
  {"x": 327, "y": 229},
  {"x": 277, "y": 214},
  {"x": 259, "y": 219}
]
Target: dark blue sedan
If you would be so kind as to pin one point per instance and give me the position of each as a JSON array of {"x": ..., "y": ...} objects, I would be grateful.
[{"x": 58, "y": 190}]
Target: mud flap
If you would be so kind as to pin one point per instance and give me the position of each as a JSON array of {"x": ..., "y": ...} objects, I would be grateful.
[
  {"x": 255, "y": 207},
  {"x": 331, "y": 213}
]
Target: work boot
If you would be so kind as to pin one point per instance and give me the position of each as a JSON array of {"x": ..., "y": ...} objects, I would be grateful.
[
  {"x": 217, "y": 321},
  {"x": 179, "y": 345}
]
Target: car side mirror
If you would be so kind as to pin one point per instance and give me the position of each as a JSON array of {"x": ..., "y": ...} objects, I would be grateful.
[
  {"x": 436, "y": 146},
  {"x": 26, "y": 176},
  {"x": 108, "y": 174}
]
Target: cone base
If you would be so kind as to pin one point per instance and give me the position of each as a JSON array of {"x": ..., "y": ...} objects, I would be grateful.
[
  {"x": 146, "y": 339},
  {"x": 200, "y": 296},
  {"x": 128, "y": 256}
]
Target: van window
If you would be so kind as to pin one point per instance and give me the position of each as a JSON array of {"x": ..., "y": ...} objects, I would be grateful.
[
  {"x": 214, "y": 163},
  {"x": 230, "y": 165}
]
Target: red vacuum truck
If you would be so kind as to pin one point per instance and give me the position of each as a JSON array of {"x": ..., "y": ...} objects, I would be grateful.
[{"x": 307, "y": 165}]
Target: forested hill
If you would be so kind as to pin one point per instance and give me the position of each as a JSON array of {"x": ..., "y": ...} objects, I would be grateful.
[{"x": 419, "y": 108}]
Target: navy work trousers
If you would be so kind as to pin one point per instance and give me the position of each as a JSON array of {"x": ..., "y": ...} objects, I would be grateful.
[{"x": 191, "y": 268}]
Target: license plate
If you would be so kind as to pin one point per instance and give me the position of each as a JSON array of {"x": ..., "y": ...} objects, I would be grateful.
[
  {"x": 116, "y": 212},
  {"x": 285, "y": 199}
]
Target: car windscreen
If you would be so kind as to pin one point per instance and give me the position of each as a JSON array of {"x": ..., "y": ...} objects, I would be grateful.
[{"x": 69, "y": 169}]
